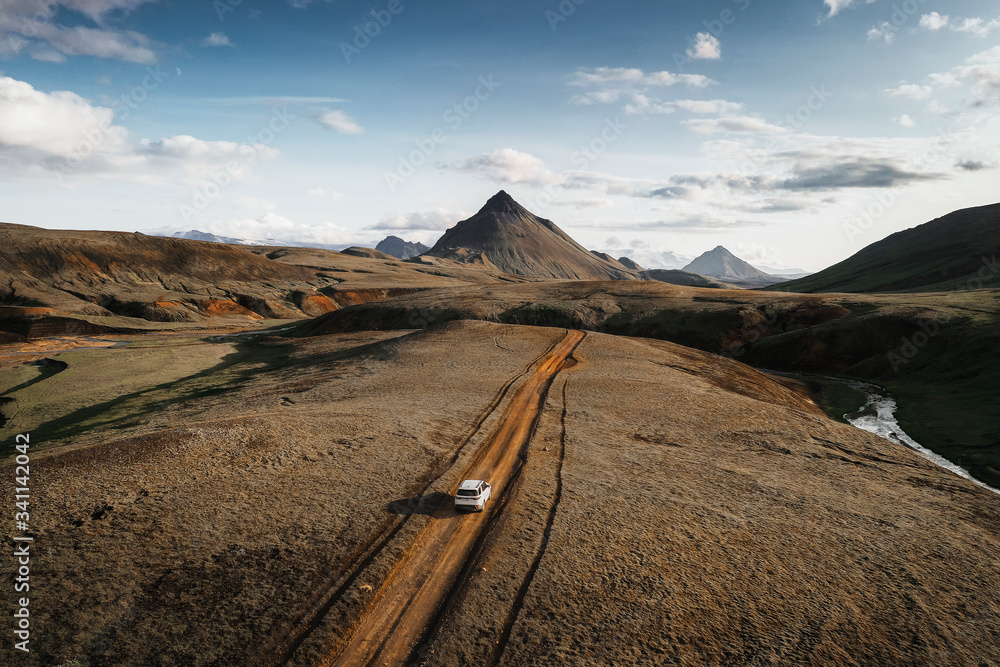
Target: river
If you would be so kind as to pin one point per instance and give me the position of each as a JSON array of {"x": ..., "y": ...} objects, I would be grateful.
[{"x": 878, "y": 416}]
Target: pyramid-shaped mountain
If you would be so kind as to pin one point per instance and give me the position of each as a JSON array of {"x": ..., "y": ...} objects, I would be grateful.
[
  {"x": 720, "y": 263},
  {"x": 518, "y": 242}
]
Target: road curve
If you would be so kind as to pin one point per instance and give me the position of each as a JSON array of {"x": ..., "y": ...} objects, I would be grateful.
[{"x": 409, "y": 599}]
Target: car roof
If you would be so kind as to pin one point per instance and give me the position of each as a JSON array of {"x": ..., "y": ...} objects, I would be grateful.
[{"x": 471, "y": 484}]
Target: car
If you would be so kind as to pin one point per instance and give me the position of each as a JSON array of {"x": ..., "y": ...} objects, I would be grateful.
[{"x": 472, "y": 495}]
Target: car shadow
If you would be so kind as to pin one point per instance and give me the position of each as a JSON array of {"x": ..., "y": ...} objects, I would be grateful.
[{"x": 429, "y": 505}]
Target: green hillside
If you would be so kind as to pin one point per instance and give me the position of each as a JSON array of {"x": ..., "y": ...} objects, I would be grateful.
[{"x": 955, "y": 252}]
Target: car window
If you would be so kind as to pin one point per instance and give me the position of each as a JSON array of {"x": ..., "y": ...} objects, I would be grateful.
[{"x": 468, "y": 493}]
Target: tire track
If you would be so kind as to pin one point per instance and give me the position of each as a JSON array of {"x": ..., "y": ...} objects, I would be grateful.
[
  {"x": 515, "y": 610},
  {"x": 280, "y": 650},
  {"x": 411, "y": 598},
  {"x": 472, "y": 563}
]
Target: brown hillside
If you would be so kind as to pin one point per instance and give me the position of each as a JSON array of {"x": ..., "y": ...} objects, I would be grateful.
[{"x": 673, "y": 507}]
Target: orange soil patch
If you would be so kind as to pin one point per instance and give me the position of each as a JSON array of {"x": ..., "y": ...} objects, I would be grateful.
[{"x": 224, "y": 307}]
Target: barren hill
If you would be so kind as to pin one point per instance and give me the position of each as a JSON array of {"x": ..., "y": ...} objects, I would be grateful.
[
  {"x": 518, "y": 242},
  {"x": 955, "y": 252},
  {"x": 58, "y": 281}
]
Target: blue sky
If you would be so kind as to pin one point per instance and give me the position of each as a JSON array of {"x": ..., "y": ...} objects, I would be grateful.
[{"x": 793, "y": 133}]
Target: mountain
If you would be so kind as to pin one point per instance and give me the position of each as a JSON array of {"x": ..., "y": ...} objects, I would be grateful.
[
  {"x": 196, "y": 235},
  {"x": 397, "y": 247},
  {"x": 954, "y": 252},
  {"x": 628, "y": 263},
  {"x": 720, "y": 263},
  {"x": 516, "y": 241}
]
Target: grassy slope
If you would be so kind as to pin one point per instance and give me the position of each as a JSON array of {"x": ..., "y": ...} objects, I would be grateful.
[
  {"x": 944, "y": 254},
  {"x": 946, "y": 384}
]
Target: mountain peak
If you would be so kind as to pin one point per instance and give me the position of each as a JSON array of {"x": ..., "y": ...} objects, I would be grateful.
[
  {"x": 518, "y": 242},
  {"x": 502, "y": 202},
  {"x": 722, "y": 264}
]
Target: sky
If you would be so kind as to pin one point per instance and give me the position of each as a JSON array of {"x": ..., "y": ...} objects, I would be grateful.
[{"x": 792, "y": 132}]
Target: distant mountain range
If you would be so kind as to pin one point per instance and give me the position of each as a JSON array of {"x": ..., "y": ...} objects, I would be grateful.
[
  {"x": 504, "y": 236},
  {"x": 649, "y": 258},
  {"x": 954, "y": 252},
  {"x": 196, "y": 235}
]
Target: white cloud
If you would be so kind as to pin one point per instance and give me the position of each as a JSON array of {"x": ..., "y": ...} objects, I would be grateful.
[
  {"x": 643, "y": 105},
  {"x": 600, "y": 96},
  {"x": 910, "y": 91},
  {"x": 217, "y": 39},
  {"x": 976, "y": 26},
  {"x": 907, "y": 121},
  {"x": 836, "y": 6},
  {"x": 616, "y": 75},
  {"x": 709, "y": 106},
  {"x": 944, "y": 80},
  {"x": 983, "y": 71},
  {"x": 884, "y": 31},
  {"x": 614, "y": 83},
  {"x": 506, "y": 165},
  {"x": 705, "y": 47},
  {"x": 934, "y": 21},
  {"x": 329, "y": 193},
  {"x": 732, "y": 125},
  {"x": 53, "y": 123},
  {"x": 32, "y": 26},
  {"x": 339, "y": 121},
  {"x": 437, "y": 219},
  {"x": 61, "y": 134}
]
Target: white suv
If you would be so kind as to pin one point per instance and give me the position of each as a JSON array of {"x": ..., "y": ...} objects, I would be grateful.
[{"x": 472, "y": 495}]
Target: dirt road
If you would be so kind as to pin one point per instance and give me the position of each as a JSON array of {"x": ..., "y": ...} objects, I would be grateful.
[{"x": 408, "y": 601}]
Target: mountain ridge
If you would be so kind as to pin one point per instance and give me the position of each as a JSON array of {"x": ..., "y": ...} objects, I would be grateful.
[{"x": 955, "y": 251}]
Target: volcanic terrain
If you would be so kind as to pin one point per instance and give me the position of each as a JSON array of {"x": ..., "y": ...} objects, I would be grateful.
[{"x": 268, "y": 478}]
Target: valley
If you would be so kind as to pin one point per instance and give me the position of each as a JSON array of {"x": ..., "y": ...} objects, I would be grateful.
[
  {"x": 273, "y": 484},
  {"x": 623, "y": 511}
]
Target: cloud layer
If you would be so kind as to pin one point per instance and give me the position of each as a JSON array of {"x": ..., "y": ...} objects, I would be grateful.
[{"x": 33, "y": 27}]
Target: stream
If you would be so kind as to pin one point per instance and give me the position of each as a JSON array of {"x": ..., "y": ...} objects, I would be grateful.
[{"x": 878, "y": 417}]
